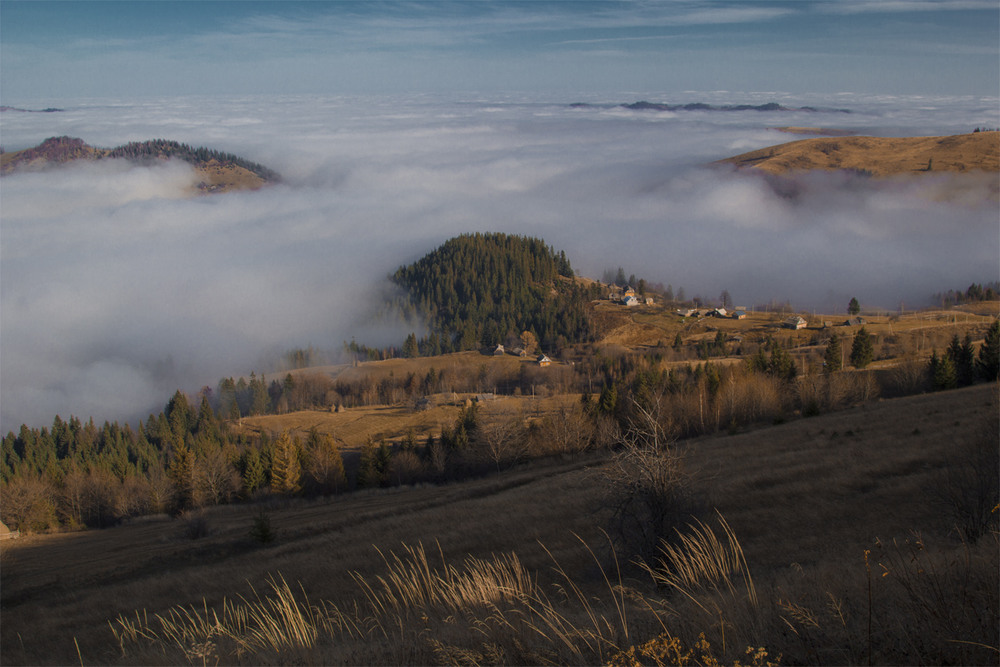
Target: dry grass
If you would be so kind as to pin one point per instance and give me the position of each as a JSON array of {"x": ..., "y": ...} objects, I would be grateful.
[
  {"x": 880, "y": 156},
  {"x": 352, "y": 427}
]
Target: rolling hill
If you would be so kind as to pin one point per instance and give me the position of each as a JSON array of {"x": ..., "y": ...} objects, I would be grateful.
[
  {"x": 217, "y": 171},
  {"x": 878, "y": 156}
]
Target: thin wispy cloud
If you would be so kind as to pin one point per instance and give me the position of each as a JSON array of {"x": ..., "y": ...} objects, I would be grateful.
[{"x": 904, "y": 6}]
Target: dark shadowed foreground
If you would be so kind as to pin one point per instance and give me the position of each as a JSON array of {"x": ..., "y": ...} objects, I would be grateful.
[{"x": 851, "y": 553}]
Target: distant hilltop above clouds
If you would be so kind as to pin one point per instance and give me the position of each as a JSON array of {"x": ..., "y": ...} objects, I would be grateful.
[
  {"x": 19, "y": 110},
  {"x": 878, "y": 156},
  {"x": 643, "y": 105},
  {"x": 217, "y": 171}
]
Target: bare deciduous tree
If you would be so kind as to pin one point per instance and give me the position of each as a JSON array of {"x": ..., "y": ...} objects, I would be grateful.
[
  {"x": 500, "y": 438},
  {"x": 650, "y": 490}
]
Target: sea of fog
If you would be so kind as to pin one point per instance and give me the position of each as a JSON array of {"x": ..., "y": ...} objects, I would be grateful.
[{"x": 116, "y": 289}]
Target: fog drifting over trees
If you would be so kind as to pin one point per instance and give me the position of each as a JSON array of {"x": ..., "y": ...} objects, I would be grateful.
[{"x": 116, "y": 289}]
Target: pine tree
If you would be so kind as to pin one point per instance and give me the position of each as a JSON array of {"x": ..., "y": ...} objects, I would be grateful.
[
  {"x": 862, "y": 351},
  {"x": 410, "y": 350},
  {"x": 963, "y": 359},
  {"x": 782, "y": 365},
  {"x": 853, "y": 308},
  {"x": 254, "y": 477},
  {"x": 988, "y": 363},
  {"x": 260, "y": 399},
  {"x": 182, "y": 477},
  {"x": 832, "y": 358},
  {"x": 367, "y": 467},
  {"x": 286, "y": 471},
  {"x": 942, "y": 372}
]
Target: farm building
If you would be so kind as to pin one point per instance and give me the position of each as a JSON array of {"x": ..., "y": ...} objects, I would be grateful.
[
  {"x": 720, "y": 312},
  {"x": 855, "y": 321},
  {"x": 740, "y": 315},
  {"x": 630, "y": 301},
  {"x": 794, "y": 322},
  {"x": 543, "y": 361}
]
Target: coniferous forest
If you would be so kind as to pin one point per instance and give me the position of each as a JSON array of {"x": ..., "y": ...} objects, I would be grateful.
[
  {"x": 483, "y": 289},
  {"x": 165, "y": 148}
]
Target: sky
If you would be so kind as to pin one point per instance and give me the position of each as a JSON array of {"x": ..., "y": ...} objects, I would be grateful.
[
  {"x": 54, "y": 50},
  {"x": 396, "y": 126}
]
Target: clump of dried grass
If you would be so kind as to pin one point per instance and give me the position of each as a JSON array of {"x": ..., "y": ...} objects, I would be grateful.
[{"x": 489, "y": 610}]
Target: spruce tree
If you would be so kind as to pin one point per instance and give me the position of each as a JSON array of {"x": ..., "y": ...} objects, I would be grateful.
[
  {"x": 368, "y": 467},
  {"x": 988, "y": 363},
  {"x": 942, "y": 372},
  {"x": 831, "y": 360},
  {"x": 853, "y": 308},
  {"x": 410, "y": 347},
  {"x": 862, "y": 351},
  {"x": 286, "y": 471},
  {"x": 963, "y": 359},
  {"x": 182, "y": 476},
  {"x": 253, "y": 472}
]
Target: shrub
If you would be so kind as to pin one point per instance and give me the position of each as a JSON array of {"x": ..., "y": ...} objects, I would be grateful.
[
  {"x": 261, "y": 530},
  {"x": 194, "y": 525},
  {"x": 650, "y": 491}
]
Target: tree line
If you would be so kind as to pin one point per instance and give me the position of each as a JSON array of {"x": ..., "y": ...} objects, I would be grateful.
[
  {"x": 972, "y": 294},
  {"x": 165, "y": 148},
  {"x": 77, "y": 473}
]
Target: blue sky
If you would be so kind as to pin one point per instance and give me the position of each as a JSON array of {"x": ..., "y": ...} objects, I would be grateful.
[{"x": 64, "y": 50}]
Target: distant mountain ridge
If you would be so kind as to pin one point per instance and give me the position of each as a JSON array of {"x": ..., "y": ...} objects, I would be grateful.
[
  {"x": 220, "y": 171},
  {"x": 643, "y": 105},
  {"x": 20, "y": 110}
]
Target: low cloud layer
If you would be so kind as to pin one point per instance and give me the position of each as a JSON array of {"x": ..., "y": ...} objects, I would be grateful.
[{"x": 116, "y": 289}]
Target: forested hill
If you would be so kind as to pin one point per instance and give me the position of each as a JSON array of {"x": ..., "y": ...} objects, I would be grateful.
[
  {"x": 163, "y": 148},
  {"x": 219, "y": 171},
  {"x": 479, "y": 290}
]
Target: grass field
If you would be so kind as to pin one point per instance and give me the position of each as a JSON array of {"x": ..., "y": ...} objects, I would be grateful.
[
  {"x": 815, "y": 503},
  {"x": 880, "y": 156}
]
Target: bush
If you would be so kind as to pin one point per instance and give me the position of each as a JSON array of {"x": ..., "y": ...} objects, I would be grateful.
[
  {"x": 650, "y": 491},
  {"x": 261, "y": 530},
  {"x": 195, "y": 525}
]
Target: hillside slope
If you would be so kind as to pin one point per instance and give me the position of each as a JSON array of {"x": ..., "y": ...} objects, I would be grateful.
[
  {"x": 217, "y": 171},
  {"x": 878, "y": 156},
  {"x": 805, "y": 498}
]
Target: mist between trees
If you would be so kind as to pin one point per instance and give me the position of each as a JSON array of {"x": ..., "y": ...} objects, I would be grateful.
[{"x": 192, "y": 454}]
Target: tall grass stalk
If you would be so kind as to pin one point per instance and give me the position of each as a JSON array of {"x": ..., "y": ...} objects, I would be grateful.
[
  {"x": 488, "y": 610},
  {"x": 700, "y": 560}
]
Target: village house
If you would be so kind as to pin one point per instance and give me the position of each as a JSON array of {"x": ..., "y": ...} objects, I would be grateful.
[
  {"x": 543, "y": 361},
  {"x": 794, "y": 322},
  {"x": 630, "y": 301},
  {"x": 740, "y": 315}
]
